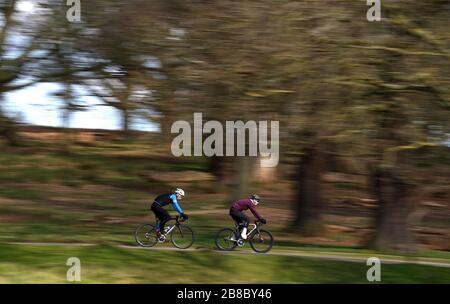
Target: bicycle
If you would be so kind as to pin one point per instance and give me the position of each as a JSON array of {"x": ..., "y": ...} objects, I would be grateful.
[
  {"x": 256, "y": 237},
  {"x": 181, "y": 236}
]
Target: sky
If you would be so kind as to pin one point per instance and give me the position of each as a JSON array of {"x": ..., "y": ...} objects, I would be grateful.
[{"x": 36, "y": 105}]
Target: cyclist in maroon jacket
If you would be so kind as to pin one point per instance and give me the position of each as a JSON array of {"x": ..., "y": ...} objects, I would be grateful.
[{"x": 236, "y": 212}]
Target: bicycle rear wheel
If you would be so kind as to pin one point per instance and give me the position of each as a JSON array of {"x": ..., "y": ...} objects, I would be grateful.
[
  {"x": 182, "y": 236},
  {"x": 145, "y": 235},
  {"x": 223, "y": 240},
  {"x": 261, "y": 241}
]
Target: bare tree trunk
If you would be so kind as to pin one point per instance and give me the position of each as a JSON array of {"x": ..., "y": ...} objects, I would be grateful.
[
  {"x": 309, "y": 203},
  {"x": 243, "y": 168},
  {"x": 125, "y": 121},
  {"x": 395, "y": 206},
  {"x": 66, "y": 138},
  {"x": 218, "y": 167},
  {"x": 8, "y": 129}
]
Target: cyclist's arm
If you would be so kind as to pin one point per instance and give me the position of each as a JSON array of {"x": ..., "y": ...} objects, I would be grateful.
[
  {"x": 253, "y": 210},
  {"x": 176, "y": 206}
]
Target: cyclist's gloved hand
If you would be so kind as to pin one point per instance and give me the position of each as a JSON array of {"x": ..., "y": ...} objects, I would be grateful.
[
  {"x": 263, "y": 221},
  {"x": 184, "y": 216}
]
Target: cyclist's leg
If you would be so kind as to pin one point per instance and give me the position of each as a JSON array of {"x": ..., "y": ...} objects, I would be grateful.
[
  {"x": 164, "y": 219},
  {"x": 160, "y": 214},
  {"x": 235, "y": 215},
  {"x": 244, "y": 222},
  {"x": 241, "y": 219}
]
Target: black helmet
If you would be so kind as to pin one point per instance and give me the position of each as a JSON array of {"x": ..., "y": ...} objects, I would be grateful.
[{"x": 255, "y": 197}]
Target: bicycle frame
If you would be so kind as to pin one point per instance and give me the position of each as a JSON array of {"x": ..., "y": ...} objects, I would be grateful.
[
  {"x": 170, "y": 230},
  {"x": 173, "y": 227},
  {"x": 255, "y": 227}
]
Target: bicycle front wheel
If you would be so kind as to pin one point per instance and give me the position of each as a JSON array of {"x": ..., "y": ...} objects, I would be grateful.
[
  {"x": 261, "y": 241},
  {"x": 145, "y": 235},
  {"x": 182, "y": 237},
  {"x": 224, "y": 239}
]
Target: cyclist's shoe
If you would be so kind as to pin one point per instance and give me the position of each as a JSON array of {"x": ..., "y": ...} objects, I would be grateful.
[
  {"x": 233, "y": 237},
  {"x": 244, "y": 233},
  {"x": 159, "y": 236}
]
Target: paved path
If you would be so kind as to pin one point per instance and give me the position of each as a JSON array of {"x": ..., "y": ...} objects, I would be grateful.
[{"x": 344, "y": 257}]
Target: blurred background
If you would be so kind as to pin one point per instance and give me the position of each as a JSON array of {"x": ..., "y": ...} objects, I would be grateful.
[{"x": 86, "y": 110}]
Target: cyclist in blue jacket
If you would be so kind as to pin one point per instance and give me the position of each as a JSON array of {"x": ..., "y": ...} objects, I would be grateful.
[{"x": 162, "y": 214}]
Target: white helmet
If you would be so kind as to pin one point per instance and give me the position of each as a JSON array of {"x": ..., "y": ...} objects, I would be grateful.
[{"x": 179, "y": 191}]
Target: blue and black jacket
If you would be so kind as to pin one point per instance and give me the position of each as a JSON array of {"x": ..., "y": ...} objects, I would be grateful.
[{"x": 166, "y": 199}]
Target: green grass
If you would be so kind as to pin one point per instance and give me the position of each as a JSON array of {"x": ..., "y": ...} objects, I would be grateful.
[
  {"x": 104, "y": 264},
  {"x": 114, "y": 214},
  {"x": 22, "y": 193},
  {"x": 107, "y": 166}
]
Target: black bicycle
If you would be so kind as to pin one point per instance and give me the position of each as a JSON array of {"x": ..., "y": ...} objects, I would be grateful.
[
  {"x": 181, "y": 236},
  {"x": 260, "y": 240}
]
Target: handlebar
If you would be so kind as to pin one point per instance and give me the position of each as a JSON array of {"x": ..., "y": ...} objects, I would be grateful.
[{"x": 177, "y": 218}]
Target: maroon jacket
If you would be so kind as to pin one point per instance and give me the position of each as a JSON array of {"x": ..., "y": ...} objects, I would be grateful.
[{"x": 245, "y": 204}]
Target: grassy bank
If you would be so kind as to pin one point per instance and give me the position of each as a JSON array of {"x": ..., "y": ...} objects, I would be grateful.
[{"x": 105, "y": 264}]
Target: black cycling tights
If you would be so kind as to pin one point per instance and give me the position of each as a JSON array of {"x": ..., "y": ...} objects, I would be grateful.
[
  {"x": 160, "y": 214},
  {"x": 239, "y": 217}
]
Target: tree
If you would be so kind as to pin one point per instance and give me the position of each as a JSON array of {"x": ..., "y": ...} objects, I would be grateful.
[
  {"x": 404, "y": 102},
  {"x": 14, "y": 59},
  {"x": 42, "y": 39}
]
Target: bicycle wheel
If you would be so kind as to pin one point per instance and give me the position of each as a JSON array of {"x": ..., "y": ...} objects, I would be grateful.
[
  {"x": 182, "y": 236},
  {"x": 145, "y": 235},
  {"x": 261, "y": 241},
  {"x": 223, "y": 239}
]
